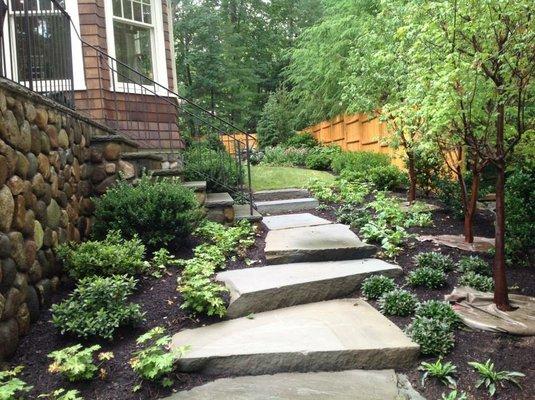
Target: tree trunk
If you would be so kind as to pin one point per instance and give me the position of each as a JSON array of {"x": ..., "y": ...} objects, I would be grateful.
[
  {"x": 501, "y": 296},
  {"x": 411, "y": 197},
  {"x": 471, "y": 207}
]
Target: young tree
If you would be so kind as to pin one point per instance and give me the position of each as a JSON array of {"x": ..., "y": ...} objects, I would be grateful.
[{"x": 485, "y": 68}]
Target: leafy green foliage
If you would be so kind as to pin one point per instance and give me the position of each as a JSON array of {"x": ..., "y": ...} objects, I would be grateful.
[
  {"x": 276, "y": 125},
  {"x": 434, "y": 336},
  {"x": 111, "y": 256},
  {"x": 433, "y": 259},
  {"x": 490, "y": 378},
  {"x": 351, "y": 215},
  {"x": 439, "y": 310},
  {"x": 97, "y": 307},
  {"x": 359, "y": 161},
  {"x": 62, "y": 394},
  {"x": 216, "y": 167},
  {"x": 430, "y": 278},
  {"x": 398, "y": 302},
  {"x": 285, "y": 156},
  {"x": 454, "y": 395},
  {"x": 11, "y": 386},
  {"x": 520, "y": 216},
  {"x": 76, "y": 363},
  {"x": 320, "y": 157},
  {"x": 476, "y": 281},
  {"x": 442, "y": 371},
  {"x": 161, "y": 260},
  {"x": 200, "y": 294},
  {"x": 382, "y": 177},
  {"x": 375, "y": 286},
  {"x": 474, "y": 264},
  {"x": 390, "y": 239},
  {"x": 155, "y": 360},
  {"x": 306, "y": 140},
  {"x": 157, "y": 211}
]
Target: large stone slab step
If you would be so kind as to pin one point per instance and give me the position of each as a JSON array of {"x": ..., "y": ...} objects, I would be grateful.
[
  {"x": 199, "y": 188},
  {"x": 281, "y": 206},
  {"x": 243, "y": 212},
  {"x": 287, "y": 221},
  {"x": 344, "y": 385},
  {"x": 333, "y": 242},
  {"x": 255, "y": 290},
  {"x": 220, "y": 207},
  {"x": 333, "y": 335},
  {"x": 280, "y": 194}
]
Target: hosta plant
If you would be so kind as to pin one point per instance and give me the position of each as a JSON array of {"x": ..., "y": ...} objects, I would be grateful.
[
  {"x": 433, "y": 259},
  {"x": 474, "y": 264},
  {"x": 12, "y": 387},
  {"x": 155, "y": 359},
  {"x": 477, "y": 282},
  {"x": 427, "y": 277},
  {"x": 398, "y": 302},
  {"x": 442, "y": 371},
  {"x": 454, "y": 395},
  {"x": 439, "y": 310},
  {"x": 76, "y": 363},
  {"x": 491, "y": 379},
  {"x": 435, "y": 337},
  {"x": 375, "y": 286}
]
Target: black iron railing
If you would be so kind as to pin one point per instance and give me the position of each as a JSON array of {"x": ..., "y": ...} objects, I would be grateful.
[{"x": 35, "y": 55}]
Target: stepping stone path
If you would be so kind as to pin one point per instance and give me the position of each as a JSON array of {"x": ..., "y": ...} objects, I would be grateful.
[
  {"x": 281, "y": 206},
  {"x": 289, "y": 321},
  {"x": 254, "y": 290},
  {"x": 345, "y": 385}
]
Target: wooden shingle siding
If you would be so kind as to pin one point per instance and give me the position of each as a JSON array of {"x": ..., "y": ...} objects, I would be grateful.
[{"x": 149, "y": 120}]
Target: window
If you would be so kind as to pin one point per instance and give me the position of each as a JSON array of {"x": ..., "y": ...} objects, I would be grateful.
[
  {"x": 134, "y": 32},
  {"x": 43, "y": 51}
]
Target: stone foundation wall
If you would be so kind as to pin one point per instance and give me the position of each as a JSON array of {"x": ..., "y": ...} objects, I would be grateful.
[{"x": 48, "y": 174}]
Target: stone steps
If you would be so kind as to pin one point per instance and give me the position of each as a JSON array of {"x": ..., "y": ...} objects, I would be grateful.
[
  {"x": 219, "y": 207},
  {"x": 280, "y": 194},
  {"x": 333, "y": 335},
  {"x": 344, "y": 385},
  {"x": 282, "y": 206},
  {"x": 261, "y": 289},
  {"x": 199, "y": 188},
  {"x": 287, "y": 221},
  {"x": 333, "y": 242},
  {"x": 243, "y": 212}
]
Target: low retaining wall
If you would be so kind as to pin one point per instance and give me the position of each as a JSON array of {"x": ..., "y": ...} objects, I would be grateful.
[{"x": 48, "y": 174}]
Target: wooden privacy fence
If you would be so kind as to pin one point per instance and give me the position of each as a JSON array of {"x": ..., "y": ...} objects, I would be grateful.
[
  {"x": 229, "y": 141},
  {"x": 355, "y": 132}
]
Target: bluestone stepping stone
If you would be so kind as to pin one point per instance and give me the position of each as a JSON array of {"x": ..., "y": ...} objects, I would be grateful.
[
  {"x": 279, "y": 194},
  {"x": 254, "y": 290},
  {"x": 343, "y": 385},
  {"x": 293, "y": 221},
  {"x": 333, "y": 335},
  {"x": 243, "y": 212},
  {"x": 280, "y": 206},
  {"x": 332, "y": 242}
]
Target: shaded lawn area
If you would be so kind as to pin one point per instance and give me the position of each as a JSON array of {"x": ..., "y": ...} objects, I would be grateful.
[{"x": 265, "y": 177}]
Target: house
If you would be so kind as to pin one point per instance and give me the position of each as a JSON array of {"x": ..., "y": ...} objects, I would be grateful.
[{"x": 110, "y": 59}]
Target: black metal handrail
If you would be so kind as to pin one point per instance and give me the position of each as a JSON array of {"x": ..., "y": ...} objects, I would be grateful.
[{"x": 118, "y": 83}]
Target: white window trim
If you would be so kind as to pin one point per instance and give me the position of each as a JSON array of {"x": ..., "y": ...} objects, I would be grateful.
[
  {"x": 159, "y": 60},
  {"x": 76, "y": 53}
]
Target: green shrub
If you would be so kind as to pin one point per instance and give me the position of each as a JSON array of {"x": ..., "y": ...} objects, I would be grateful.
[
  {"x": 112, "y": 256},
  {"x": 429, "y": 167},
  {"x": 477, "y": 282},
  {"x": 10, "y": 385},
  {"x": 302, "y": 140},
  {"x": 433, "y": 259},
  {"x": 285, "y": 156},
  {"x": 520, "y": 216},
  {"x": 220, "y": 171},
  {"x": 276, "y": 124},
  {"x": 383, "y": 177},
  {"x": 154, "y": 361},
  {"x": 435, "y": 337},
  {"x": 398, "y": 302},
  {"x": 76, "y": 363},
  {"x": 359, "y": 161},
  {"x": 439, "y": 310},
  {"x": 449, "y": 193},
  {"x": 158, "y": 211},
  {"x": 375, "y": 286},
  {"x": 97, "y": 307},
  {"x": 320, "y": 158},
  {"x": 474, "y": 264},
  {"x": 430, "y": 278}
]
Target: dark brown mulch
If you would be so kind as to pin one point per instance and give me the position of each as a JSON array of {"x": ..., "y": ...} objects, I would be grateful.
[{"x": 161, "y": 302}]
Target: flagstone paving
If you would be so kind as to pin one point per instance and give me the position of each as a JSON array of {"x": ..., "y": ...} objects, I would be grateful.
[
  {"x": 287, "y": 221},
  {"x": 282, "y": 206}
]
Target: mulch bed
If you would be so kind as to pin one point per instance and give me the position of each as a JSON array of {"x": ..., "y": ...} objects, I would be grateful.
[{"x": 161, "y": 301}]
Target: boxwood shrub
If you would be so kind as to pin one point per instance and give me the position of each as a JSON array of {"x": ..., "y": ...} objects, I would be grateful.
[{"x": 159, "y": 212}]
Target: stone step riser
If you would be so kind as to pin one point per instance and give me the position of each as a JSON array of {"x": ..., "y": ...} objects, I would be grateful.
[
  {"x": 282, "y": 194},
  {"x": 282, "y": 206},
  {"x": 287, "y": 257},
  {"x": 269, "y": 288}
]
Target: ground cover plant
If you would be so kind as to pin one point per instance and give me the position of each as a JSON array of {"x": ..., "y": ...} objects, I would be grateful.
[
  {"x": 158, "y": 211},
  {"x": 375, "y": 286},
  {"x": 443, "y": 371},
  {"x": 492, "y": 379},
  {"x": 476, "y": 281},
  {"x": 398, "y": 302},
  {"x": 10, "y": 385},
  {"x": 97, "y": 308},
  {"x": 430, "y": 278},
  {"x": 434, "y": 336},
  {"x": 76, "y": 363}
]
